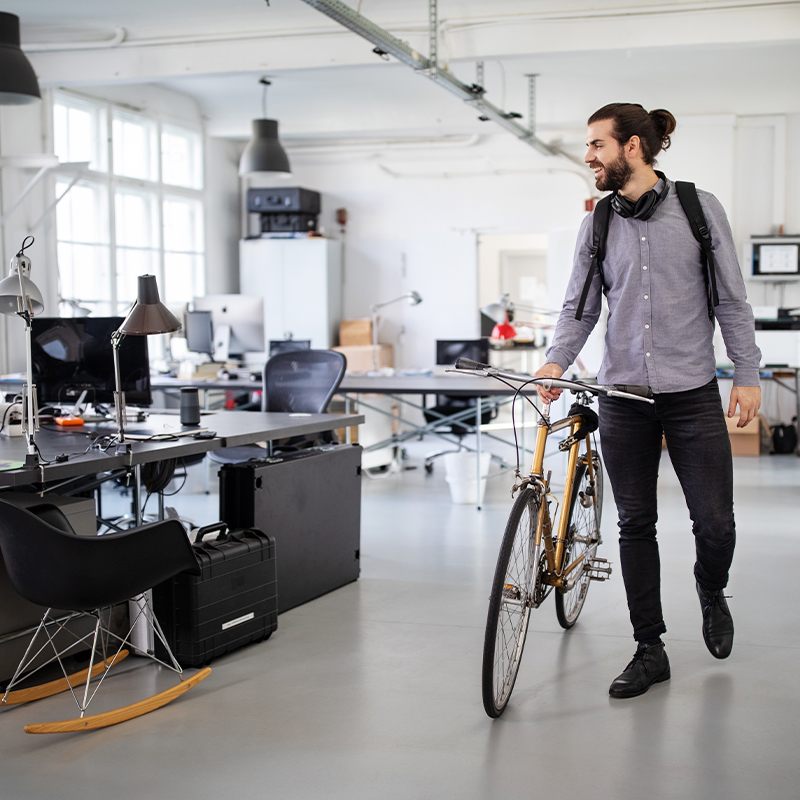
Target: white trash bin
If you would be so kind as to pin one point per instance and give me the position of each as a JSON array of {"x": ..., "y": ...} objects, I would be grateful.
[{"x": 461, "y": 475}]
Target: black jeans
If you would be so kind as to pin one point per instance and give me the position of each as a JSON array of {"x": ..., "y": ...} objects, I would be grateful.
[{"x": 693, "y": 423}]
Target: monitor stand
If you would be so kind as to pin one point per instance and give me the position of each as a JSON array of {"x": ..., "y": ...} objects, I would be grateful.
[
  {"x": 222, "y": 343},
  {"x": 86, "y": 411}
]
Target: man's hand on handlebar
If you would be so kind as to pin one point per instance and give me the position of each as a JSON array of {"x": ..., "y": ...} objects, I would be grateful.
[{"x": 549, "y": 370}]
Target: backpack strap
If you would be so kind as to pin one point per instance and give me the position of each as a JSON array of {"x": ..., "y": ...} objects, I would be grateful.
[
  {"x": 687, "y": 194},
  {"x": 601, "y": 219}
]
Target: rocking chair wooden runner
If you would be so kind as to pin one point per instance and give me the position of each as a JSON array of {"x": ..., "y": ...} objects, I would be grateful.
[{"x": 51, "y": 566}]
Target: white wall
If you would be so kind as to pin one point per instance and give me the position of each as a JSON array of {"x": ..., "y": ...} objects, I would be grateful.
[{"x": 419, "y": 232}]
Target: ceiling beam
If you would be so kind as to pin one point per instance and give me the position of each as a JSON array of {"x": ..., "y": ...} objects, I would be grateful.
[{"x": 474, "y": 95}]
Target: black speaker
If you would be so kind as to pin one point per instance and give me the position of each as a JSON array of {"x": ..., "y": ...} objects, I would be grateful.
[
  {"x": 288, "y": 223},
  {"x": 292, "y": 198}
]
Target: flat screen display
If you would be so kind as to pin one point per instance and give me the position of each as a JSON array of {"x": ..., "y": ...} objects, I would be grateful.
[
  {"x": 776, "y": 259},
  {"x": 71, "y": 356}
]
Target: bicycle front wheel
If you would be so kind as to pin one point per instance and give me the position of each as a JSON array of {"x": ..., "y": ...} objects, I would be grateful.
[
  {"x": 583, "y": 538},
  {"x": 510, "y": 603}
]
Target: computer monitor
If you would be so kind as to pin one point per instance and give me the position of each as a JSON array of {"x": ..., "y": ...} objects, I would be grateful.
[
  {"x": 288, "y": 346},
  {"x": 238, "y": 321},
  {"x": 199, "y": 332},
  {"x": 73, "y": 356},
  {"x": 448, "y": 351},
  {"x": 775, "y": 258}
]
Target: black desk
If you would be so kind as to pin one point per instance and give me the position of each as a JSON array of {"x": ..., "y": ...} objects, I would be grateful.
[{"x": 232, "y": 428}]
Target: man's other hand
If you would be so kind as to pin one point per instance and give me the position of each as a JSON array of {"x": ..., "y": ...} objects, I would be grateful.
[
  {"x": 748, "y": 398},
  {"x": 549, "y": 370}
]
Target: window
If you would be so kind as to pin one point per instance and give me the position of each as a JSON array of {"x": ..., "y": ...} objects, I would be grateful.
[
  {"x": 79, "y": 132},
  {"x": 139, "y": 210}
]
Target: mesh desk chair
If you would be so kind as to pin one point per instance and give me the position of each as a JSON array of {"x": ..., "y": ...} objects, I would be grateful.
[
  {"x": 49, "y": 565},
  {"x": 447, "y": 352},
  {"x": 300, "y": 382}
]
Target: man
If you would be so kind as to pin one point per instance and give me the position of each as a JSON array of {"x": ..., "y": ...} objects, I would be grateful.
[{"x": 659, "y": 334}]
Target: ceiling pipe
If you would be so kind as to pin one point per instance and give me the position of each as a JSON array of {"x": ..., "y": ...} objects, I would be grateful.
[{"x": 474, "y": 95}]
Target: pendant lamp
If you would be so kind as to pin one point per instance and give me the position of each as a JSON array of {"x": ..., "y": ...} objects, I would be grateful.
[
  {"x": 18, "y": 84},
  {"x": 264, "y": 152}
]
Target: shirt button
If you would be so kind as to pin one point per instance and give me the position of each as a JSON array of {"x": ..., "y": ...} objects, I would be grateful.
[
  {"x": 647, "y": 354},
  {"x": 644, "y": 267},
  {"x": 647, "y": 297},
  {"x": 644, "y": 239},
  {"x": 647, "y": 326}
]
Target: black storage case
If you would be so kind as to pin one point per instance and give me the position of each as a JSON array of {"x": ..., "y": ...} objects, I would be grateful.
[
  {"x": 289, "y": 199},
  {"x": 310, "y": 501},
  {"x": 232, "y": 603}
]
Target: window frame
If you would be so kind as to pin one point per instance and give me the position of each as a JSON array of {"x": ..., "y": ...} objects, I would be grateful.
[{"x": 159, "y": 190}]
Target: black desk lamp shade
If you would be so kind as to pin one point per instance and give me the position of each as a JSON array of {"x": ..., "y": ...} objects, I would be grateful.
[{"x": 149, "y": 315}]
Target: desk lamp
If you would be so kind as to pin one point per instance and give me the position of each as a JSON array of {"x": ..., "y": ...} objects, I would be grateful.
[
  {"x": 148, "y": 316},
  {"x": 19, "y": 295},
  {"x": 503, "y": 311},
  {"x": 500, "y": 312},
  {"x": 413, "y": 299}
]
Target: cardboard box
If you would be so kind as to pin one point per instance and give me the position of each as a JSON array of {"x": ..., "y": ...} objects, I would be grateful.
[
  {"x": 359, "y": 359},
  {"x": 746, "y": 441},
  {"x": 355, "y": 332}
]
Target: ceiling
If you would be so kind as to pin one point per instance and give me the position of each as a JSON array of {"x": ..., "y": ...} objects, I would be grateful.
[{"x": 734, "y": 57}]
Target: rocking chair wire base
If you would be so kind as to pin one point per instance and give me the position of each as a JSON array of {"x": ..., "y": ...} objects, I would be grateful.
[{"x": 101, "y": 639}]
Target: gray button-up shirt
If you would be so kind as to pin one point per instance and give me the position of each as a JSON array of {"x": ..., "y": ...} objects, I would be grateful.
[{"x": 658, "y": 332}]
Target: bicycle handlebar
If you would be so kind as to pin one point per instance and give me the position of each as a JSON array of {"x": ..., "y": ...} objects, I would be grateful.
[{"x": 466, "y": 366}]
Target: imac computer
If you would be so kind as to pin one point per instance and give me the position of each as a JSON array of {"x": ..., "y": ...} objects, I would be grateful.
[
  {"x": 73, "y": 360},
  {"x": 238, "y": 323}
]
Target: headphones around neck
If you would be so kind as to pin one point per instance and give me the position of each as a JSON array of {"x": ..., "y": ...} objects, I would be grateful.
[{"x": 644, "y": 207}]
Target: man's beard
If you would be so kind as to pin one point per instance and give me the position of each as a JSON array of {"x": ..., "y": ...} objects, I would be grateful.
[{"x": 615, "y": 175}]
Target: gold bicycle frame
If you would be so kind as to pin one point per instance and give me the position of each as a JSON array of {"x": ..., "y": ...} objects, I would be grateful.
[{"x": 557, "y": 572}]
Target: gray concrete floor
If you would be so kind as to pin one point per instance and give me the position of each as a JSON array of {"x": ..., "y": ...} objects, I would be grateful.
[{"x": 373, "y": 691}]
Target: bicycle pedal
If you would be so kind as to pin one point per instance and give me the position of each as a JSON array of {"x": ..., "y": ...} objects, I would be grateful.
[{"x": 599, "y": 569}]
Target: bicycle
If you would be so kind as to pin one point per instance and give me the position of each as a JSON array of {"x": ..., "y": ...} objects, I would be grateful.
[{"x": 542, "y": 552}]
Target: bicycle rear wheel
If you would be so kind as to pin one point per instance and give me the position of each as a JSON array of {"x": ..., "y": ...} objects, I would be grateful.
[
  {"x": 510, "y": 603},
  {"x": 583, "y": 538}
]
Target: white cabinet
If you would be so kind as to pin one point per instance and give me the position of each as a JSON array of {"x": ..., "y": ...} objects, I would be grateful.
[{"x": 301, "y": 283}]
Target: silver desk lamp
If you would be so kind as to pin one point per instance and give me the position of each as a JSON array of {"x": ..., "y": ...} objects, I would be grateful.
[
  {"x": 147, "y": 317},
  {"x": 19, "y": 295},
  {"x": 413, "y": 299}
]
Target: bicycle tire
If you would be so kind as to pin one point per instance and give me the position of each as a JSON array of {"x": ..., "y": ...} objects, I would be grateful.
[
  {"x": 583, "y": 538},
  {"x": 510, "y": 603}
]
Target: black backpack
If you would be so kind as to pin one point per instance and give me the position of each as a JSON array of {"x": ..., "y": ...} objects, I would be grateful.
[{"x": 690, "y": 202}]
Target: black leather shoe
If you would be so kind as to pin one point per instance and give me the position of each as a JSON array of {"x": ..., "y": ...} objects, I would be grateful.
[
  {"x": 717, "y": 622},
  {"x": 649, "y": 665}
]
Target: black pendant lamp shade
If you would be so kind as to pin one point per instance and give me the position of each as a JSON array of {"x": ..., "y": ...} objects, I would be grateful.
[
  {"x": 18, "y": 84},
  {"x": 264, "y": 152},
  {"x": 149, "y": 315}
]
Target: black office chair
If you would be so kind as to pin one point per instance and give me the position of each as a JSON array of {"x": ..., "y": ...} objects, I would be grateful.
[
  {"x": 448, "y": 351},
  {"x": 51, "y": 566},
  {"x": 300, "y": 382}
]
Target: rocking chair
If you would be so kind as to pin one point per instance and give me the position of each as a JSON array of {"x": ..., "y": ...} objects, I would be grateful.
[{"x": 51, "y": 566}]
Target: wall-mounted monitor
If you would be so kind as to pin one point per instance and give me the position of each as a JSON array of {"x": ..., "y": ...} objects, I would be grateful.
[{"x": 775, "y": 258}]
